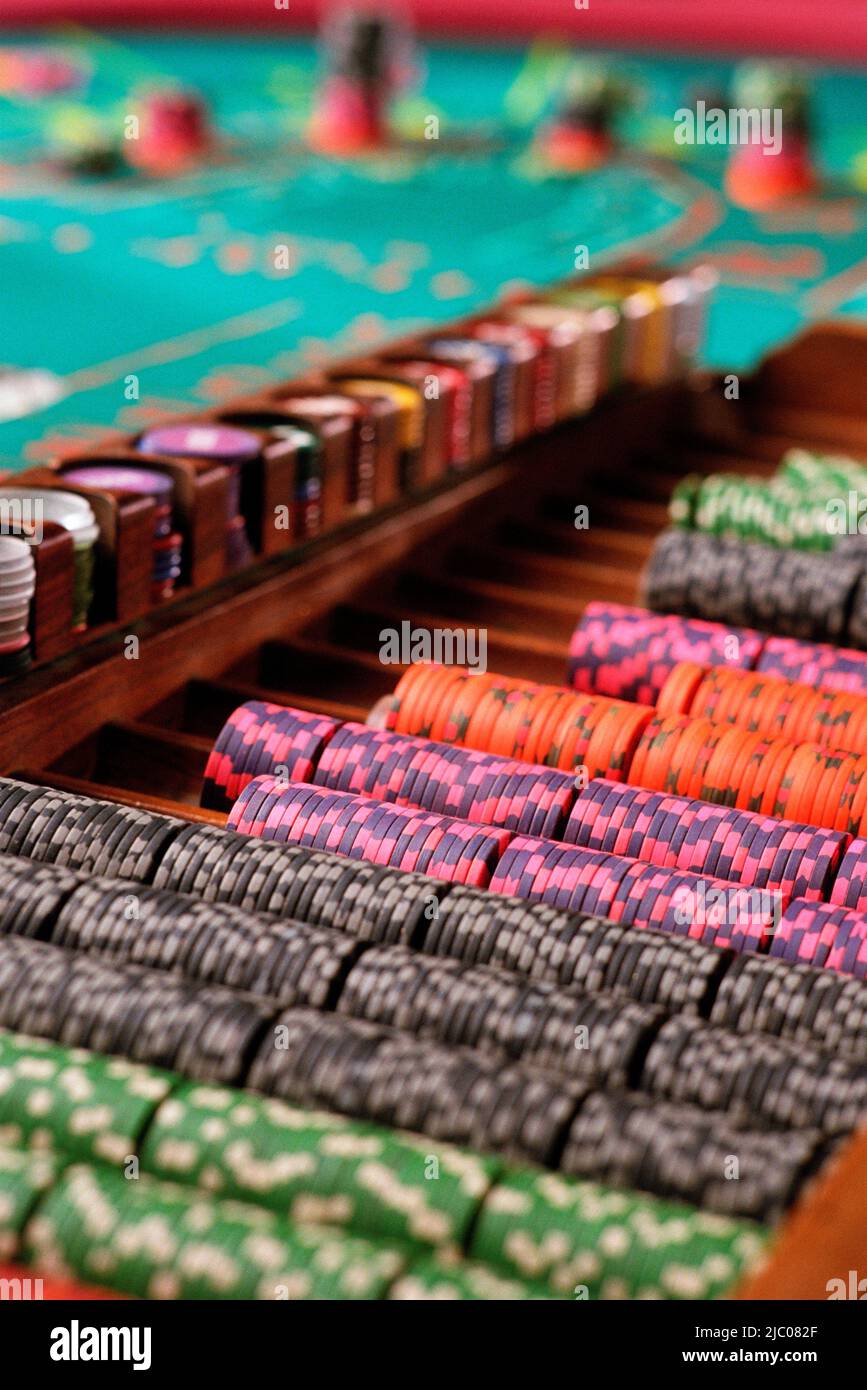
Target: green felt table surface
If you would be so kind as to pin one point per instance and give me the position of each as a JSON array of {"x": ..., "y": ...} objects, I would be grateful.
[{"x": 174, "y": 281}]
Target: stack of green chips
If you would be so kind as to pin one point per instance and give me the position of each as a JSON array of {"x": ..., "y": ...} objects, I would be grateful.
[
  {"x": 806, "y": 505},
  {"x": 79, "y": 1103},
  {"x": 156, "y": 1240},
  {"x": 24, "y": 1178},
  {"x": 582, "y": 1240},
  {"x": 318, "y": 1167}
]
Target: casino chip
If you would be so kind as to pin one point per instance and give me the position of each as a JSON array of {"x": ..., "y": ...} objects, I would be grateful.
[
  {"x": 449, "y": 1093},
  {"x": 823, "y": 934},
  {"x": 163, "y": 1241},
  {"x": 767, "y": 704},
  {"x": 364, "y": 900},
  {"x": 148, "y": 1016},
  {"x": 564, "y": 1233},
  {"x": 24, "y": 1178},
  {"x": 80, "y": 833},
  {"x": 793, "y": 593},
  {"x": 215, "y": 944},
  {"x": 759, "y": 1080},
  {"x": 679, "y": 832},
  {"x": 625, "y": 890},
  {"x": 822, "y": 666},
  {"x": 818, "y": 1008},
  {"x": 400, "y": 837},
  {"x": 500, "y": 1014},
  {"x": 683, "y": 1153},
  {"x": 75, "y": 1103},
  {"x": 480, "y": 787},
  {"x": 518, "y": 719},
  {"x": 629, "y": 653},
  {"x": 315, "y": 1167}
]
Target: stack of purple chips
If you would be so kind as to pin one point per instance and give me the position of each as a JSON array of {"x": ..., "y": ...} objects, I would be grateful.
[
  {"x": 815, "y": 663},
  {"x": 679, "y": 832},
  {"x": 168, "y": 543},
  {"x": 361, "y": 828},
  {"x": 260, "y": 737},
  {"x": 629, "y": 653},
  {"x": 225, "y": 444},
  {"x": 850, "y": 884},
  {"x": 710, "y": 910},
  {"x": 479, "y": 787},
  {"x": 824, "y": 935}
]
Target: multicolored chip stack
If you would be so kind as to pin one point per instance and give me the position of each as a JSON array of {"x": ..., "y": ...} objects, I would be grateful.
[
  {"x": 25, "y": 511},
  {"x": 629, "y": 653},
  {"x": 262, "y": 737},
  {"x": 235, "y": 449},
  {"x": 361, "y": 828},
  {"x": 168, "y": 543},
  {"x": 17, "y": 587}
]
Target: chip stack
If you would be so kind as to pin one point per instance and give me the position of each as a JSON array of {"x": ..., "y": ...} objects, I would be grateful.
[
  {"x": 580, "y": 1239},
  {"x": 147, "y": 1015},
  {"x": 361, "y": 828},
  {"x": 79, "y": 833},
  {"x": 362, "y": 899},
  {"x": 478, "y": 787},
  {"x": 489, "y": 407},
  {"x": 454, "y": 387},
  {"x": 453, "y": 1094},
  {"x": 75, "y": 1103},
  {"x": 761, "y": 1081},
  {"x": 572, "y": 348},
  {"x": 850, "y": 881},
  {"x": 625, "y": 890},
  {"x": 766, "y": 510},
  {"x": 167, "y": 1242},
  {"x": 316, "y": 1167},
  {"x": 500, "y": 1014},
  {"x": 813, "y": 663},
  {"x": 793, "y": 593},
  {"x": 689, "y": 1155},
  {"x": 628, "y": 653},
  {"x": 260, "y": 737},
  {"x": 29, "y": 508},
  {"x": 807, "y": 1005},
  {"x": 800, "y": 782},
  {"x": 826, "y": 935},
  {"x": 24, "y": 1179},
  {"x": 235, "y": 449},
  {"x": 535, "y": 723},
  {"x": 575, "y": 950},
  {"x": 168, "y": 543},
  {"x": 17, "y": 587},
  {"x": 409, "y": 405},
  {"x": 767, "y": 705},
  {"x": 679, "y": 832}
]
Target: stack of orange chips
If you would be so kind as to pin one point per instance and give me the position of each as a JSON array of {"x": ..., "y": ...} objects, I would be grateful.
[
  {"x": 767, "y": 705},
  {"x": 544, "y": 724},
  {"x": 732, "y": 766}
]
